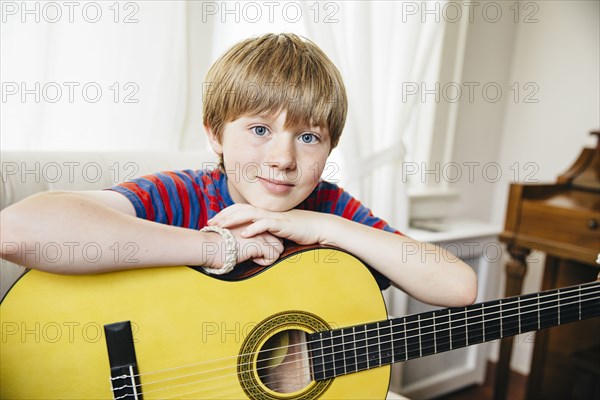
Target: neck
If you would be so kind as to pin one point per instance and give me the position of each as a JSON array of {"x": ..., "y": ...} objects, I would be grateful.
[{"x": 356, "y": 348}]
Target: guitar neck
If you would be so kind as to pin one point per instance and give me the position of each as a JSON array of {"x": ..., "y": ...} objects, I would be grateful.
[{"x": 361, "y": 347}]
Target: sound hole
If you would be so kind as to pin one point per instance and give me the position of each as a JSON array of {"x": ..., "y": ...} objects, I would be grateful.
[{"x": 282, "y": 363}]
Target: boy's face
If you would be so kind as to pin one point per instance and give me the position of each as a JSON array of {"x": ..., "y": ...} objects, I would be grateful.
[{"x": 270, "y": 167}]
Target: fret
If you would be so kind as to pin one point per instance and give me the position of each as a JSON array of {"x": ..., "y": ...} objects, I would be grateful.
[
  {"x": 493, "y": 320},
  {"x": 420, "y": 336},
  {"x": 315, "y": 345},
  {"x": 378, "y": 343},
  {"x": 590, "y": 302},
  {"x": 510, "y": 317},
  {"x": 579, "y": 305},
  {"x": 405, "y": 339},
  {"x": 427, "y": 327},
  {"x": 549, "y": 309},
  {"x": 500, "y": 313},
  {"x": 372, "y": 347},
  {"x": 350, "y": 351},
  {"x": 412, "y": 337},
  {"x": 360, "y": 346},
  {"x": 528, "y": 312},
  {"x": 519, "y": 316},
  {"x": 539, "y": 318},
  {"x": 442, "y": 321},
  {"x": 435, "y": 350},
  {"x": 474, "y": 317},
  {"x": 328, "y": 361},
  {"x": 337, "y": 350},
  {"x": 483, "y": 322},
  {"x": 569, "y": 307},
  {"x": 466, "y": 327},
  {"x": 399, "y": 339},
  {"x": 558, "y": 306},
  {"x": 386, "y": 343},
  {"x": 458, "y": 337}
]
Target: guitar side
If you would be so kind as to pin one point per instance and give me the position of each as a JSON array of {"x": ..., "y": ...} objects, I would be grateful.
[{"x": 187, "y": 325}]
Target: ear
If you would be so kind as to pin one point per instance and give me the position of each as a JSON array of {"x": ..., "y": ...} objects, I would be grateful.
[{"x": 214, "y": 141}]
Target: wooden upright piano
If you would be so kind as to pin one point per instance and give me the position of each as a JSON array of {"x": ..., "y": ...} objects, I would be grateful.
[{"x": 562, "y": 221}]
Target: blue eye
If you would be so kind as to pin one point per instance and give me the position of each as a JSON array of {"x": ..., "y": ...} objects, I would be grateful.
[
  {"x": 308, "y": 138},
  {"x": 259, "y": 130}
]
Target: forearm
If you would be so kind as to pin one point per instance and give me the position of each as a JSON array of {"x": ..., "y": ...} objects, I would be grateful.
[
  {"x": 68, "y": 233},
  {"x": 425, "y": 271}
]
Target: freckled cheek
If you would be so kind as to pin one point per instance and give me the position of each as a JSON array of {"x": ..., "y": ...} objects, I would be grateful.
[
  {"x": 243, "y": 159},
  {"x": 310, "y": 173}
]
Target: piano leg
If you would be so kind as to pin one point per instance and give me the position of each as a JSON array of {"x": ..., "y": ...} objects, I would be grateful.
[
  {"x": 540, "y": 348},
  {"x": 516, "y": 267}
]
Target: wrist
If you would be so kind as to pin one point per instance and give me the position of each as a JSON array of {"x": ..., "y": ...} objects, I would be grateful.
[
  {"x": 211, "y": 245},
  {"x": 331, "y": 229},
  {"x": 223, "y": 250}
]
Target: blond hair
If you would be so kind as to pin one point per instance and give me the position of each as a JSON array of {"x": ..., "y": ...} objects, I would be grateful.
[{"x": 273, "y": 73}]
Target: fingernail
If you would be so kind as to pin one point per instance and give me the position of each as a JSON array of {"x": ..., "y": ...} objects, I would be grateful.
[{"x": 244, "y": 233}]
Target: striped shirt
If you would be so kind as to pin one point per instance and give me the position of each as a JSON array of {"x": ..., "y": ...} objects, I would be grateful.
[{"x": 190, "y": 198}]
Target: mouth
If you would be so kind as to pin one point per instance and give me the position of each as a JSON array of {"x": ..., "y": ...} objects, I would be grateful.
[{"x": 276, "y": 186}]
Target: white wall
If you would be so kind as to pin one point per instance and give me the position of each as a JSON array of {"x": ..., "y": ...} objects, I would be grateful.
[{"x": 559, "y": 56}]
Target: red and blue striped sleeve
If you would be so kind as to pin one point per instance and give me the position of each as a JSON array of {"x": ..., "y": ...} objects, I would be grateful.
[
  {"x": 330, "y": 198},
  {"x": 178, "y": 198}
]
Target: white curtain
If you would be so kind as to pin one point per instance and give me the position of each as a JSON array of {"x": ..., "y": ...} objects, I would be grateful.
[
  {"x": 379, "y": 48},
  {"x": 93, "y": 75},
  {"x": 130, "y": 76}
]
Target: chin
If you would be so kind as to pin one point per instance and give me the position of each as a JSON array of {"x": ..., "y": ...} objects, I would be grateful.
[
  {"x": 275, "y": 207},
  {"x": 274, "y": 204}
]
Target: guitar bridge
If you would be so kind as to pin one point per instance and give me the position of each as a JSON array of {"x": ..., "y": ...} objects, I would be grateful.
[{"x": 124, "y": 374}]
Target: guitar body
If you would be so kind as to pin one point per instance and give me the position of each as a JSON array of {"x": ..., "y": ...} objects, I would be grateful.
[{"x": 195, "y": 336}]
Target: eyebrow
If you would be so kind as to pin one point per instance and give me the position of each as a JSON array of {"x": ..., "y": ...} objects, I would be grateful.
[{"x": 270, "y": 121}]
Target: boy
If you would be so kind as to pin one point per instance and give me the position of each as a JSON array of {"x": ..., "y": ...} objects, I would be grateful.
[{"x": 274, "y": 108}]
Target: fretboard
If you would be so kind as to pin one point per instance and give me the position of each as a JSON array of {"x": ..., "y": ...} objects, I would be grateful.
[{"x": 361, "y": 347}]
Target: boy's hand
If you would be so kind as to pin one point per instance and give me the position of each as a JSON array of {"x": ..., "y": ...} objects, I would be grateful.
[
  {"x": 300, "y": 226},
  {"x": 263, "y": 249}
]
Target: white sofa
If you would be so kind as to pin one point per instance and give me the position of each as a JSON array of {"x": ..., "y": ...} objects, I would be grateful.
[{"x": 23, "y": 174}]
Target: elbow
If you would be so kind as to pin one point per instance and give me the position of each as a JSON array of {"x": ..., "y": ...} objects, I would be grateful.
[
  {"x": 9, "y": 232},
  {"x": 16, "y": 224},
  {"x": 468, "y": 289}
]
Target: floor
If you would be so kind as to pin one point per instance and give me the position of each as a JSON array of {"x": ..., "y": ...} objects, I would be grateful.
[{"x": 516, "y": 389}]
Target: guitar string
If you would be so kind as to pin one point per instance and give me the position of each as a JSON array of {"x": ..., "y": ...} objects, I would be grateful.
[
  {"x": 375, "y": 337},
  {"x": 306, "y": 375},
  {"x": 232, "y": 384},
  {"x": 234, "y": 391},
  {"x": 226, "y": 384},
  {"x": 588, "y": 286},
  {"x": 480, "y": 328},
  {"x": 304, "y": 367},
  {"x": 384, "y": 335}
]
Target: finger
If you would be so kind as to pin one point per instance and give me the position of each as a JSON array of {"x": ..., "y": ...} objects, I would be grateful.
[
  {"x": 242, "y": 216},
  {"x": 270, "y": 248},
  {"x": 262, "y": 261},
  {"x": 273, "y": 247},
  {"x": 226, "y": 212},
  {"x": 269, "y": 256},
  {"x": 277, "y": 243},
  {"x": 269, "y": 225},
  {"x": 265, "y": 246}
]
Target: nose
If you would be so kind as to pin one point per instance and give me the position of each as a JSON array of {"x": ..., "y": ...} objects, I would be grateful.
[{"x": 282, "y": 154}]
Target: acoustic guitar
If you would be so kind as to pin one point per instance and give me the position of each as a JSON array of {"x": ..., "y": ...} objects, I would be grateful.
[{"x": 313, "y": 325}]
